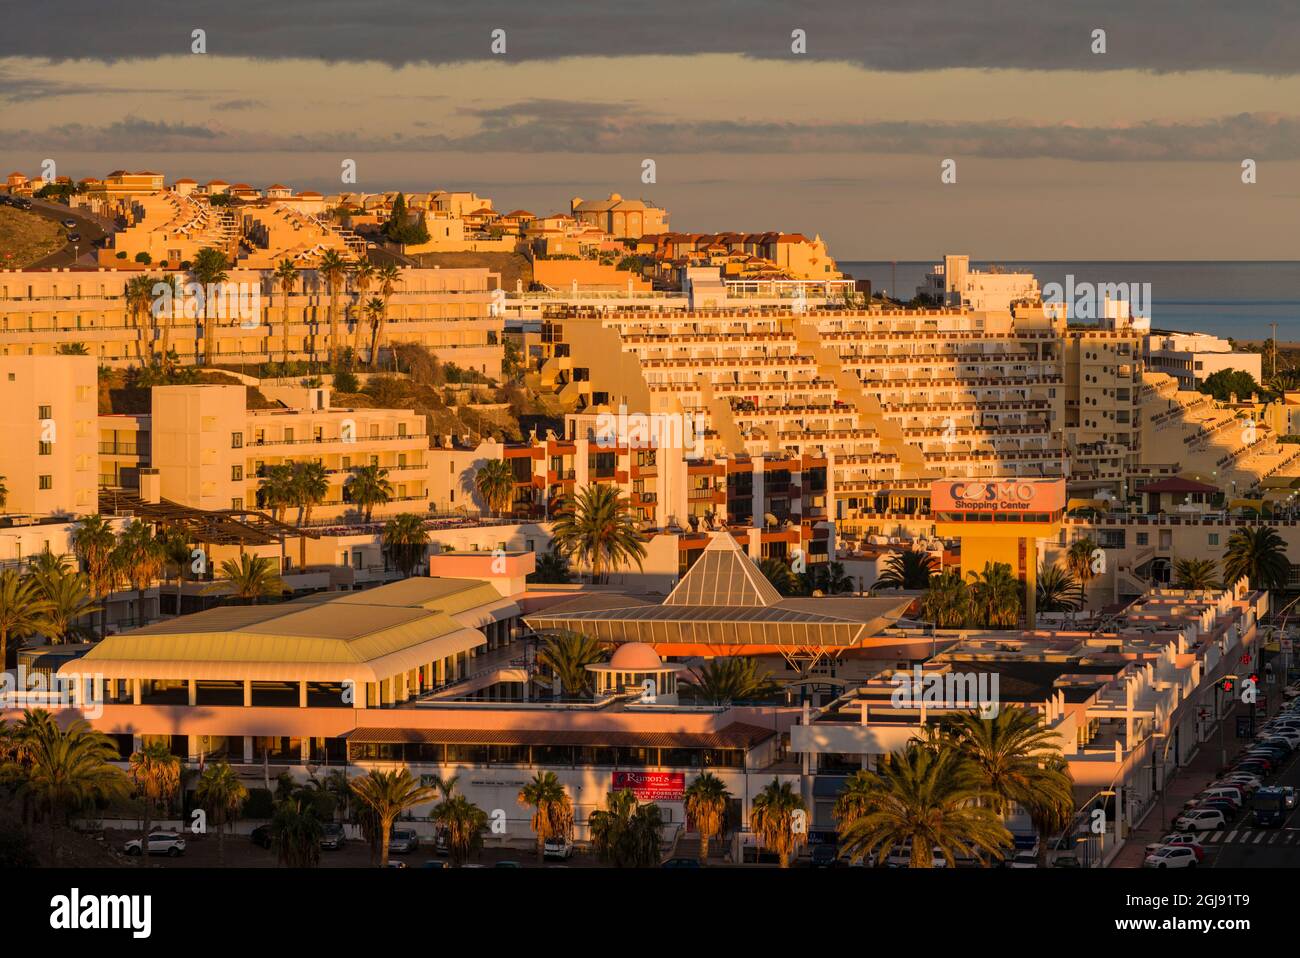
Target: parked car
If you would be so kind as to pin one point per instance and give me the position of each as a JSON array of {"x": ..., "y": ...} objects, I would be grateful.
[
  {"x": 1024, "y": 860},
  {"x": 261, "y": 836},
  {"x": 1200, "y": 820},
  {"x": 394, "y": 863},
  {"x": 1289, "y": 793},
  {"x": 74, "y": 237},
  {"x": 1188, "y": 840},
  {"x": 403, "y": 841},
  {"x": 1230, "y": 792},
  {"x": 332, "y": 837},
  {"x": 70, "y": 224},
  {"x": 434, "y": 863},
  {"x": 681, "y": 863},
  {"x": 557, "y": 848},
  {"x": 1172, "y": 856},
  {"x": 507, "y": 864},
  {"x": 160, "y": 843},
  {"x": 824, "y": 856}
]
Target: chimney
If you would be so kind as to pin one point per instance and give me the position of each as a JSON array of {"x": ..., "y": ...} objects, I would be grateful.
[{"x": 151, "y": 485}]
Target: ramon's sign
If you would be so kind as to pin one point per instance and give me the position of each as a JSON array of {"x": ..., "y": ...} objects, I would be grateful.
[{"x": 997, "y": 495}]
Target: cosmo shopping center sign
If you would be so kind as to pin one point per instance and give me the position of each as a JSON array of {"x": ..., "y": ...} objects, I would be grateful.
[{"x": 997, "y": 495}]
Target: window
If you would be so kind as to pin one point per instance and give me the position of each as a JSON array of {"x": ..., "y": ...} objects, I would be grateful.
[
  {"x": 46, "y": 482},
  {"x": 44, "y": 412},
  {"x": 1142, "y": 538},
  {"x": 401, "y": 430},
  {"x": 1214, "y": 538},
  {"x": 44, "y": 448},
  {"x": 236, "y": 473},
  {"x": 236, "y": 440},
  {"x": 237, "y": 504}
]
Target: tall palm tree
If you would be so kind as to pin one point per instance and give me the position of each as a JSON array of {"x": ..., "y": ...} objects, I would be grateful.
[
  {"x": 406, "y": 542},
  {"x": 157, "y": 776},
  {"x": 333, "y": 270},
  {"x": 706, "y": 806},
  {"x": 310, "y": 486},
  {"x": 730, "y": 679},
  {"x": 462, "y": 822},
  {"x": 597, "y": 527},
  {"x": 828, "y": 578},
  {"x": 567, "y": 655},
  {"x": 1012, "y": 754},
  {"x": 1057, "y": 590},
  {"x": 775, "y": 817},
  {"x": 494, "y": 481},
  {"x": 168, "y": 316},
  {"x": 1196, "y": 574},
  {"x": 778, "y": 572},
  {"x": 93, "y": 542},
  {"x": 1078, "y": 559},
  {"x": 68, "y": 769},
  {"x": 552, "y": 809},
  {"x": 4, "y": 494},
  {"x": 209, "y": 269},
  {"x": 140, "y": 558},
  {"x": 68, "y": 594},
  {"x": 276, "y": 490},
  {"x": 387, "y": 795},
  {"x": 995, "y": 596},
  {"x": 286, "y": 277},
  {"x": 248, "y": 579},
  {"x": 375, "y": 309},
  {"x": 389, "y": 276},
  {"x": 221, "y": 795},
  {"x": 368, "y": 487},
  {"x": 363, "y": 277},
  {"x": 626, "y": 833},
  {"x": 907, "y": 570},
  {"x": 296, "y": 830},
  {"x": 551, "y": 568},
  {"x": 922, "y": 798},
  {"x": 947, "y": 603},
  {"x": 1257, "y": 554},
  {"x": 177, "y": 557},
  {"x": 23, "y": 610},
  {"x": 139, "y": 303}
]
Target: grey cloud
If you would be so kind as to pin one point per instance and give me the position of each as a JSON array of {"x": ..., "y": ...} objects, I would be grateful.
[
  {"x": 1262, "y": 36},
  {"x": 226, "y": 105}
]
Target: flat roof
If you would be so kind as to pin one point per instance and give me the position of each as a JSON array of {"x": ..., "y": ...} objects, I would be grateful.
[{"x": 735, "y": 735}]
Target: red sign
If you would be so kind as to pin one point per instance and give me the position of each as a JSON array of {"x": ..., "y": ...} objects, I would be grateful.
[{"x": 652, "y": 786}]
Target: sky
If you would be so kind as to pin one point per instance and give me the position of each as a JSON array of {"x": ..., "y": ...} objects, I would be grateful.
[{"x": 1059, "y": 152}]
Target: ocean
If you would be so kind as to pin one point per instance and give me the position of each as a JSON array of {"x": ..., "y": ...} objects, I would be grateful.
[{"x": 1227, "y": 298}]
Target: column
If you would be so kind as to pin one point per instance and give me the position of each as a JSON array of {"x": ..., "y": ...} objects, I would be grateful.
[
  {"x": 302, "y": 695},
  {"x": 248, "y": 693},
  {"x": 248, "y": 750},
  {"x": 1031, "y": 580},
  {"x": 193, "y": 690},
  {"x": 136, "y": 690}
]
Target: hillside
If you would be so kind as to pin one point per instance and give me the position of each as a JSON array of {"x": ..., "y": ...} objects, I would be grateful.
[{"x": 26, "y": 237}]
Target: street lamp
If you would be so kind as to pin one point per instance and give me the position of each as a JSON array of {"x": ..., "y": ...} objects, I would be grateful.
[{"x": 1220, "y": 686}]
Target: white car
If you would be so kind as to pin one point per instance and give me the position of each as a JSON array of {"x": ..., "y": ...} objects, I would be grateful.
[
  {"x": 1199, "y": 820},
  {"x": 160, "y": 843},
  {"x": 1188, "y": 840},
  {"x": 1171, "y": 856},
  {"x": 1024, "y": 860},
  {"x": 557, "y": 849}
]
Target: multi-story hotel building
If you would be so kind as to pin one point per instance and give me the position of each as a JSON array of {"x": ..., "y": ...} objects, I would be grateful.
[{"x": 449, "y": 311}]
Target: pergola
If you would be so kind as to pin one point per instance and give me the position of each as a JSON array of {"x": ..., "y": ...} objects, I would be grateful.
[{"x": 237, "y": 527}]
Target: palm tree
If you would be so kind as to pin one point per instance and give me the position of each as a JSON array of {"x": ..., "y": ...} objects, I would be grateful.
[
  {"x": 1057, "y": 590},
  {"x": 209, "y": 268},
  {"x": 23, "y": 610},
  {"x": 922, "y": 798},
  {"x": 296, "y": 831},
  {"x": 405, "y": 542},
  {"x": 552, "y": 809},
  {"x": 778, "y": 816},
  {"x": 387, "y": 795},
  {"x": 165, "y": 354},
  {"x": 462, "y": 822},
  {"x": 551, "y": 567},
  {"x": 68, "y": 769},
  {"x": 779, "y": 573},
  {"x": 625, "y": 833},
  {"x": 363, "y": 277},
  {"x": 374, "y": 309},
  {"x": 598, "y": 528},
  {"x": 567, "y": 655},
  {"x": 1078, "y": 559},
  {"x": 828, "y": 578},
  {"x": 157, "y": 776},
  {"x": 389, "y": 276},
  {"x": 221, "y": 794},
  {"x": 4, "y": 493},
  {"x": 68, "y": 594},
  {"x": 277, "y": 490},
  {"x": 1196, "y": 574},
  {"x": 907, "y": 570},
  {"x": 139, "y": 303},
  {"x": 286, "y": 277},
  {"x": 177, "y": 556},
  {"x": 333, "y": 269},
  {"x": 1051, "y": 812},
  {"x": 1257, "y": 554},
  {"x": 732, "y": 679},
  {"x": 369, "y": 487},
  {"x": 310, "y": 486},
  {"x": 1012, "y": 754},
  {"x": 249, "y": 579},
  {"x": 946, "y": 604},
  {"x": 706, "y": 807},
  {"x": 494, "y": 481},
  {"x": 93, "y": 541},
  {"x": 140, "y": 558},
  {"x": 995, "y": 596}
]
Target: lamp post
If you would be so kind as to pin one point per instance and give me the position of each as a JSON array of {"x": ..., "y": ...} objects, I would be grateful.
[{"x": 1220, "y": 686}]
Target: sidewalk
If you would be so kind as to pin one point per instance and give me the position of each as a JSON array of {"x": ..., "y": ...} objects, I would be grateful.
[{"x": 1185, "y": 784}]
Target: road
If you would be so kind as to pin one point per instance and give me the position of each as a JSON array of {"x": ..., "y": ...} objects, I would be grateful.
[{"x": 91, "y": 229}]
